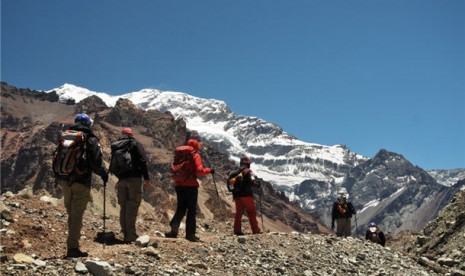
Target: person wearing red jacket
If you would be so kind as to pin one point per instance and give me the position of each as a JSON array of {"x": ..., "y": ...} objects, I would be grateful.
[
  {"x": 243, "y": 198},
  {"x": 186, "y": 194}
]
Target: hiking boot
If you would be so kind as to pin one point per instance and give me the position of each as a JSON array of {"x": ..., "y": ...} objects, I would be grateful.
[
  {"x": 238, "y": 233},
  {"x": 75, "y": 253},
  {"x": 131, "y": 240},
  {"x": 193, "y": 239},
  {"x": 171, "y": 234}
]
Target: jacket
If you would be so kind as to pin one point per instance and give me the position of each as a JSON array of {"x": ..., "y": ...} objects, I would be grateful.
[
  {"x": 347, "y": 211},
  {"x": 93, "y": 155},
  {"x": 376, "y": 237},
  {"x": 139, "y": 159},
  {"x": 249, "y": 181},
  {"x": 199, "y": 170}
]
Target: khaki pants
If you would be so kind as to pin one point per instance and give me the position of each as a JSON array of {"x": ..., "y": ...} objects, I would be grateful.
[
  {"x": 129, "y": 198},
  {"x": 343, "y": 227},
  {"x": 76, "y": 196}
]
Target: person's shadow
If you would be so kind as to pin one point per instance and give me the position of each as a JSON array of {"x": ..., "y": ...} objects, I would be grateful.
[{"x": 108, "y": 238}]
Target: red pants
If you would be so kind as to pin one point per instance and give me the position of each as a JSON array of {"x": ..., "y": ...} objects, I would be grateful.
[{"x": 247, "y": 204}]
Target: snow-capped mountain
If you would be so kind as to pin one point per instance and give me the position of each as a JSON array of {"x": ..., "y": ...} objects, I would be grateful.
[
  {"x": 278, "y": 157},
  {"x": 448, "y": 177}
]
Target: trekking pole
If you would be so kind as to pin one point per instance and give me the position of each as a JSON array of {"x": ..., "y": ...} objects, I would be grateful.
[
  {"x": 261, "y": 209},
  {"x": 207, "y": 158},
  {"x": 104, "y": 212},
  {"x": 216, "y": 188},
  {"x": 356, "y": 226}
]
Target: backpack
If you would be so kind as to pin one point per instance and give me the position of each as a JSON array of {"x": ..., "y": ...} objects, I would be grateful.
[
  {"x": 121, "y": 159},
  {"x": 235, "y": 181},
  {"x": 69, "y": 157},
  {"x": 342, "y": 207},
  {"x": 183, "y": 166}
]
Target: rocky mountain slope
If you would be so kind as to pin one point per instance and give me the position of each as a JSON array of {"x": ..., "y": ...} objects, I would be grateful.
[
  {"x": 441, "y": 244},
  {"x": 33, "y": 243}
]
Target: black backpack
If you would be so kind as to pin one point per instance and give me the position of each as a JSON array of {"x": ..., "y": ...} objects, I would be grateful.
[
  {"x": 121, "y": 160},
  {"x": 69, "y": 157},
  {"x": 235, "y": 181}
]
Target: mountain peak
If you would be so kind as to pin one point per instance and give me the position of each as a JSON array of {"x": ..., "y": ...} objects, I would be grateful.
[{"x": 276, "y": 154}]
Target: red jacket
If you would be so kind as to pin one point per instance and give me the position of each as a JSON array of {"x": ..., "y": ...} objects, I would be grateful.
[{"x": 199, "y": 171}]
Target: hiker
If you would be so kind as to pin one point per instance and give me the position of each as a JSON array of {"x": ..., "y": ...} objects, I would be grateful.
[
  {"x": 76, "y": 188},
  {"x": 342, "y": 213},
  {"x": 187, "y": 193},
  {"x": 243, "y": 198},
  {"x": 129, "y": 185},
  {"x": 375, "y": 235}
]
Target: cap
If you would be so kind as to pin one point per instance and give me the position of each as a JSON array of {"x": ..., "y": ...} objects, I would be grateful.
[
  {"x": 128, "y": 131},
  {"x": 245, "y": 160}
]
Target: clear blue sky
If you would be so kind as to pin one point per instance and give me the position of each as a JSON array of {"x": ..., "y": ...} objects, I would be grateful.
[{"x": 367, "y": 74}]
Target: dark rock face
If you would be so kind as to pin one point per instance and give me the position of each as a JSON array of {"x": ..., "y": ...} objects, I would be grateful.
[
  {"x": 407, "y": 197},
  {"x": 11, "y": 91}
]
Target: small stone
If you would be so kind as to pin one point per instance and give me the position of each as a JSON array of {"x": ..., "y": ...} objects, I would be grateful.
[
  {"x": 100, "y": 268},
  {"x": 143, "y": 240},
  {"x": 26, "y": 244},
  {"x": 457, "y": 272},
  {"x": 25, "y": 193},
  {"x": 447, "y": 262},
  {"x": 40, "y": 263},
  {"x": 23, "y": 258},
  {"x": 38, "y": 228},
  {"x": 241, "y": 239},
  {"x": 80, "y": 268},
  {"x": 6, "y": 215}
]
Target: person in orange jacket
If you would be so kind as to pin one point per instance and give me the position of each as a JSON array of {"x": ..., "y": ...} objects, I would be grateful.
[{"x": 186, "y": 194}]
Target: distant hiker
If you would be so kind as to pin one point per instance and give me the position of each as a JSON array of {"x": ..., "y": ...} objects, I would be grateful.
[
  {"x": 129, "y": 164},
  {"x": 76, "y": 185},
  {"x": 186, "y": 185},
  {"x": 243, "y": 197},
  {"x": 375, "y": 235},
  {"x": 342, "y": 213}
]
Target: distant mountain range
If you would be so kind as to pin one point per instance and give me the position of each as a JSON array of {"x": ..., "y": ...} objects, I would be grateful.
[{"x": 386, "y": 189}]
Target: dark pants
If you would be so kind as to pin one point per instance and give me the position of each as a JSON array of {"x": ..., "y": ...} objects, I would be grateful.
[{"x": 187, "y": 201}]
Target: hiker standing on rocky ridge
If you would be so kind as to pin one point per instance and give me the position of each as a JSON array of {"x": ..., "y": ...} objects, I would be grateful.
[
  {"x": 129, "y": 164},
  {"x": 186, "y": 185},
  {"x": 243, "y": 197},
  {"x": 77, "y": 182},
  {"x": 342, "y": 213}
]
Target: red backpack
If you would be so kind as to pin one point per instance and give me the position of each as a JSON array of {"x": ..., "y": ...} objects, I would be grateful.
[
  {"x": 183, "y": 166},
  {"x": 69, "y": 158}
]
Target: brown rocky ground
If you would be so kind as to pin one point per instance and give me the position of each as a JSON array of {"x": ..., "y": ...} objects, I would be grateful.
[{"x": 35, "y": 226}]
